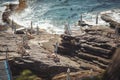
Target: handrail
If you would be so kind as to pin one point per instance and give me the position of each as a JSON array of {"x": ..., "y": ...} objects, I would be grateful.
[
  {"x": 8, "y": 70},
  {"x": 5, "y": 70}
]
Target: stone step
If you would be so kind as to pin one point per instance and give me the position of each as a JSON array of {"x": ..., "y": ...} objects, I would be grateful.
[
  {"x": 97, "y": 39},
  {"x": 103, "y": 45},
  {"x": 65, "y": 50},
  {"x": 92, "y": 50},
  {"x": 103, "y": 66},
  {"x": 86, "y": 65},
  {"x": 88, "y": 57},
  {"x": 96, "y": 51}
]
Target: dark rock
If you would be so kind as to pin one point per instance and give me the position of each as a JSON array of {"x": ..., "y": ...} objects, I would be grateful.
[
  {"x": 19, "y": 32},
  {"x": 95, "y": 50},
  {"x": 82, "y": 23},
  {"x": 5, "y": 16},
  {"x": 12, "y": 7}
]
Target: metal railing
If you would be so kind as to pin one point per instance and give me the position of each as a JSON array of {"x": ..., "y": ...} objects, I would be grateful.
[{"x": 5, "y": 68}]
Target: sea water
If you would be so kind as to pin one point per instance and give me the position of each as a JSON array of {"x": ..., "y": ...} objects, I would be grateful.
[{"x": 52, "y": 15}]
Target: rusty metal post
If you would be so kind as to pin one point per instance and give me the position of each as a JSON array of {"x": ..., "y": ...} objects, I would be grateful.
[
  {"x": 67, "y": 29},
  {"x": 56, "y": 47},
  {"x": 68, "y": 74},
  {"x": 81, "y": 18},
  {"x": 6, "y": 51},
  {"x": 37, "y": 30},
  {"x": 24, "y": 40},
  {"x": 26, "y": 34},
  {"x": 117, "y": 33},
  {"x": 31, "y": 27},
  {"x": 14, "y": 29},
  {"x": 97, "y": 18},
  {"x": 12, "y": 25}
]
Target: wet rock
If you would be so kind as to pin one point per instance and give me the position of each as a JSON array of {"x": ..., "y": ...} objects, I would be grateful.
[
  {"x": 5, "y": 16},
  {"x": 10, "y": 8},
  {"x": 106, "y": 18},
  {"x": 22, "y": 5},
  {"x": 110, "y": 20}
]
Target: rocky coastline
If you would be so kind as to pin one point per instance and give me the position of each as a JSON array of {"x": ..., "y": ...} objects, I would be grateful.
[{"x": 86, "y": 54}]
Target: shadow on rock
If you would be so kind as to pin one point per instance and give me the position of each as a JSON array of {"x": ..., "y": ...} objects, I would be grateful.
[{"x": 38, "y": 68}]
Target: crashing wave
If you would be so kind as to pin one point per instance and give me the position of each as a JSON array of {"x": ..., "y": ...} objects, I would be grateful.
[{"x": 53, "y": 15}]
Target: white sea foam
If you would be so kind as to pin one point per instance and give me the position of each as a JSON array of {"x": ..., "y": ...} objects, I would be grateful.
[
  {"x": 24, "y": 21},
  {"x": 46, "y": 24},
  {"x": 91, "y": 19},
  {"x": 10, "y": 2},
  {"x": 38, "y": 17}
]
